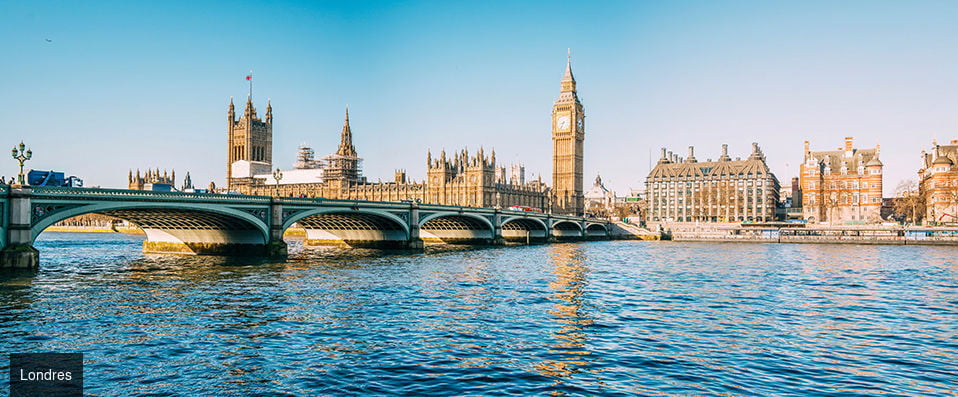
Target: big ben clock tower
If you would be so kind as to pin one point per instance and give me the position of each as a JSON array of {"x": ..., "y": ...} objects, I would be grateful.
[{"x": 568, "y": 133}]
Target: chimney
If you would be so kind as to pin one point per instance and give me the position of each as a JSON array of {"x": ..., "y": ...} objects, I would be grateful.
[
  {"x": 663, "y": 154},
  {"x": 691, "y": 157},
  {"x": 806, "y": 147},
  {"x": 756, "y": 152},
  {"x": 796, "y": 192},
  {"x": 848, "y": 146}
]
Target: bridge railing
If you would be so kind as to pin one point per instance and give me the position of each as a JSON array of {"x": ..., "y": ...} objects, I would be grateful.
[
  {"x": 50, "y": 191},
  {"x": 319, "y": 200},
  {"x": 432, "y": 207},
  {"x": 126, "y": 194}
]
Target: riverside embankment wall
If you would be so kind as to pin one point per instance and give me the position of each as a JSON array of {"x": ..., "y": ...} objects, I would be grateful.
[{"x": 821, "y": 234}]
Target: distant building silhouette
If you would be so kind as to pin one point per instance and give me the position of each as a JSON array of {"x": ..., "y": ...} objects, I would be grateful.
[{"x": 152, "y": 180}]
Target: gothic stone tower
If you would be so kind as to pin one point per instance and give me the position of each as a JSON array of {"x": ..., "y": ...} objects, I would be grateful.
[
  {"x": 343, "y": 167},
  {"x": 568, "y": 134},
  {"x": 248, "y": 138},
  {"x": 464, "y": 180}
]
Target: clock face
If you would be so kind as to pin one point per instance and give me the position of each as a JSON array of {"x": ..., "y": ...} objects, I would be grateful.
[
  {"x": 562, "y": 123},
  {"x": 580, "y": 123}
]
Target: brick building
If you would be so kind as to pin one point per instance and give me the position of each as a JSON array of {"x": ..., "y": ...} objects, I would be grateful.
[
  {"x": 842, "y": 185},
  {"x": 938, "y": 180}
]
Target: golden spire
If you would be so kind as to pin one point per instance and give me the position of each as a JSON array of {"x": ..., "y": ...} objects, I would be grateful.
[
  {"x": 568, "y": 81},
  {"x": 346, "y": 147}
]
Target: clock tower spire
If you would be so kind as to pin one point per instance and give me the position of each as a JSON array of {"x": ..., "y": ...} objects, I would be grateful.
[
  {"x": 568, "y": 135},
  {"x": 568, "y": 81}
]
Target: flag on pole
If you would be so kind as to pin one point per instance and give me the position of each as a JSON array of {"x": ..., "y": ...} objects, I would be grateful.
[{"x": 249, "y": 78}]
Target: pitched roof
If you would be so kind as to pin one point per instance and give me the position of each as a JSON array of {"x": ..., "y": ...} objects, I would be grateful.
[
  {"x": 835, "y": 159},
  {"x": 944, "y": 152},
  {"x": 677, "y": 167}
]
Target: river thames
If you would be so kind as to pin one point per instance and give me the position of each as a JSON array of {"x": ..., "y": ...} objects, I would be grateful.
[{"x": 597, "y": 318}]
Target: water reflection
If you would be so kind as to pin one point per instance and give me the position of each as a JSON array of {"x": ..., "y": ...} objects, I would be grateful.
[
  {"x": 569, "y": 311},
  {"x": 600, "y": 318}
]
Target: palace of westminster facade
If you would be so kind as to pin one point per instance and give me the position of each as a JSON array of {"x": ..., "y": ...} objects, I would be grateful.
[{"x": 451, "y": 179}]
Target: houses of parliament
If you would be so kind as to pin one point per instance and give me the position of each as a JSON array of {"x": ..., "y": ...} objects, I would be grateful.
[{"x": 459, "y": 178}]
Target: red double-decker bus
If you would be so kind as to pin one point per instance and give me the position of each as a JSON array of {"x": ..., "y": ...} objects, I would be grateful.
[{"x": 524, "y": 208}]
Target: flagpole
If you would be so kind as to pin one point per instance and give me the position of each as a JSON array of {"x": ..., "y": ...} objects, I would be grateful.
[{"x": 250, "y": 84}]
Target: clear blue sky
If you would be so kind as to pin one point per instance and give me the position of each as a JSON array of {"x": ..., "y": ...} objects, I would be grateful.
[{"x": 126, "y": 85}]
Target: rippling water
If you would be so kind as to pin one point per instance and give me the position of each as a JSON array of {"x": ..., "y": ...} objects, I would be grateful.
[{"x": 600, "y": 318}]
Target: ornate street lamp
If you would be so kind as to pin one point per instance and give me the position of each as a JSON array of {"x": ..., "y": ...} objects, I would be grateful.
[
  {"x": 22, "y": 157},
  {"x": 277, "y": 175}
]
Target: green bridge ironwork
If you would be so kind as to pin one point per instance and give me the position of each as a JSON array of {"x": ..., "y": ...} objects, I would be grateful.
[{"x": 229, "y": 224}]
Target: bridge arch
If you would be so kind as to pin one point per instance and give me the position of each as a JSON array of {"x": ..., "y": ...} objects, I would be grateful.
[
  {"x": 596, "y": 230},
  {"x": 456, "y": 228},
  {"x": 518, "y": 229},
  {"x": 533, "y": 220},
  {"x": 186, "y": 228},
  {"x": 354, "y": 228},
  {"x": 567, "y": 230}
]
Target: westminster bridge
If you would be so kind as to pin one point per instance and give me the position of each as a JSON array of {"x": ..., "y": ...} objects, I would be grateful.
[{"x": 229, "y": 224}]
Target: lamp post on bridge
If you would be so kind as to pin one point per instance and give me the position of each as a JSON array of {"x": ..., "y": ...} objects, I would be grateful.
[
  {"x": 277, "y": 175},
  {"x": 22, "y": 157}
]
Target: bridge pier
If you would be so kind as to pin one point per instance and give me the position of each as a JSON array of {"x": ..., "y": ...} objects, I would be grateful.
[
  {"x": 550, "y": 236},
  {"x": 497, "y": 238},
  {"x": 415, "y": 241},
  {"x": 276, "y": 247},
  {"x": 19, "y": 252}
]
